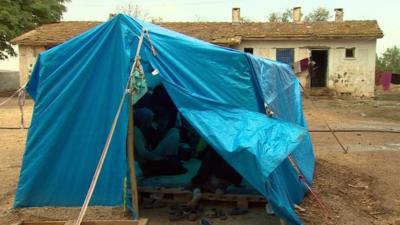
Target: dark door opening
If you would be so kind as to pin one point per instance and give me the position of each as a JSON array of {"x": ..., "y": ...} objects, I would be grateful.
[{"x": 318, "y": 75}]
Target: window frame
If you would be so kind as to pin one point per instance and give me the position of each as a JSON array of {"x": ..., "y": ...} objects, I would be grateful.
[
  {"x": 247, "y": 50},
  {"x": 353, "y": 52},
  {"x": 282, "y": 50}
]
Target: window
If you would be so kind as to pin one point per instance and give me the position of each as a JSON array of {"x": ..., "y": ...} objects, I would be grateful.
[
  {"x": 350, "y": 52},
  {"x": 249, "y": 50},
  {"x": 285, "y": 55}
]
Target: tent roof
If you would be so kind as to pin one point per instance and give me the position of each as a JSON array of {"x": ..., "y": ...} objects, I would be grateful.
[
  {"x": 80, "y": 83},
  {"x": 224, "y": 33}
]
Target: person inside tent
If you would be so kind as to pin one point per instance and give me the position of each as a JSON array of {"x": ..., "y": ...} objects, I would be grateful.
[
  {"x": 214, "y": 175},
  {"x": 158, "y": 129},
  {"x": 158, "y": 100},
  {"x": 162, "y": 159}
]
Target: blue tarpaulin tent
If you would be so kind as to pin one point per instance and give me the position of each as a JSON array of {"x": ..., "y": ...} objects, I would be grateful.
[{"x": 222, "y": 93}]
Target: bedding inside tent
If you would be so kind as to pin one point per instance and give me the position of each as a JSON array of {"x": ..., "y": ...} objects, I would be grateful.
[{"x": 182, "y": 180}]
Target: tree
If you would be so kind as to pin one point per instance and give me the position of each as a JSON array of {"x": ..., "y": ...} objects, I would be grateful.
[
  {"x": 389, "y": 61},
  {"x": 274, "y": 17},
  {"x": 200, "y": 18},
  {"x": 157, "y": 20},
  {"x": 319, "y": 14},
  {"x": 135, "y": 10},
  {"x": 285, "y": 16},
  {"x": 18, "y": 16},
  {"x": 379, "y": 66}
]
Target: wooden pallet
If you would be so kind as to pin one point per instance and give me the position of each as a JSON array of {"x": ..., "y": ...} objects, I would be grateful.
[
  {"x": 89, "y": 222},
  {"x": 180, "y": 195}
]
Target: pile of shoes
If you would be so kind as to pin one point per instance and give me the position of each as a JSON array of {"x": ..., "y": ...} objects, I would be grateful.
[{"x": 185, "y": 212}]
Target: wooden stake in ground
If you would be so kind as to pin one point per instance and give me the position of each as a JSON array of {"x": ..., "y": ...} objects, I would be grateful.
[{"x": 131, "y": 162}]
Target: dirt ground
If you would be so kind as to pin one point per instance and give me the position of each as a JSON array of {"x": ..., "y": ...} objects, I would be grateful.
[{"x": 358, "y": 187}]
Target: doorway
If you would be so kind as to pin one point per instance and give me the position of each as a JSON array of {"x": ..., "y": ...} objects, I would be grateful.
[{"x": 318, "y": 76}]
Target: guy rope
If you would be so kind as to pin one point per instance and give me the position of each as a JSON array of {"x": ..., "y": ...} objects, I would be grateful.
[{"x": 21, "y": 102}]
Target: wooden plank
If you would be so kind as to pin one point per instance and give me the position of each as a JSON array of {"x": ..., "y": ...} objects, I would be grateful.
[
  {"x": 179, "y": 195},
  {"x": 143, "y": 222},
  {"x": 92, "y": 222},
  {"x": 131, "y": 160},
  {"x": 164, "y": 190},
  {"x": 206, "y": 196},
  {"x": 18, "y": 223},
  {"x": 44, "y": 223},
  {"x": 242, "y": 204},
  {"x": 116, "y": 222}
]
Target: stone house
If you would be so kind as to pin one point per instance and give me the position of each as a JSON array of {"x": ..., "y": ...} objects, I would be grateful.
[{"x": 344, "y": 51}]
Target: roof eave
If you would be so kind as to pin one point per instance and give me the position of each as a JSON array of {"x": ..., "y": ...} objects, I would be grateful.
[
  {"x": 313, "y": 37},
  {"x": 230, "y": 41},
  {"x": 35, "y": 43}
]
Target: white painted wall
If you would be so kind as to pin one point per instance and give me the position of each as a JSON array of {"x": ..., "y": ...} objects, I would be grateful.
[
  {"x": 355, "y": 76},
  {"x": 27, "y": 60},
  {"x": 9, "y": 80}
]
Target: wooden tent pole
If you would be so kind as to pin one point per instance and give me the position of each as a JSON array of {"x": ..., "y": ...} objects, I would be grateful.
[
  {"x": 131, "y": 127},
  {"x": 131, "y": 161}
]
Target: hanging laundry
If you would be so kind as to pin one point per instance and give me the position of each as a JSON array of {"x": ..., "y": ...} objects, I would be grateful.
[
  {"x": 304, "y": 64},
  {"x": 300, "y": 66},
  {"x": 138, "y": 84},
  {"x": 385, "y": 79}
]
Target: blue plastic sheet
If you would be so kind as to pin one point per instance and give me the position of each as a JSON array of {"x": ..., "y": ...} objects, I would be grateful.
[{"x": 220, "y": 91}]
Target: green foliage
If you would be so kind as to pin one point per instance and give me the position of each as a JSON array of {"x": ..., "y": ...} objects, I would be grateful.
[
  {"x": 157, "y": 20},
  {"x": 273, "y": 17},
  {"x": 18, "y": 16},
  {"x": 379, "y": 67},
  {"x": 319, "y": 14},
  {"x": 245, "y": 19},
  {"x": 286, "y": 16},
  {"x": 389, "y": 61}
]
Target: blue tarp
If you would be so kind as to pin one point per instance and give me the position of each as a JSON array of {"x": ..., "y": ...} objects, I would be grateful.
[{"x": 221, "y": 92}]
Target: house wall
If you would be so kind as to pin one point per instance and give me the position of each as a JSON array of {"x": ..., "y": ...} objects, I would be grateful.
[
  {"x": 355, "y": 76},
  {"x": 27, "y": 60},
  {"x": 9, "y": 81}
]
